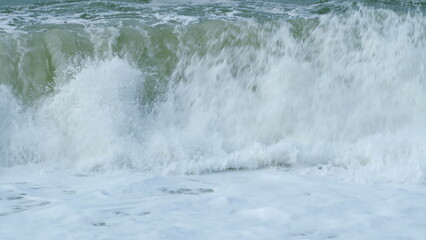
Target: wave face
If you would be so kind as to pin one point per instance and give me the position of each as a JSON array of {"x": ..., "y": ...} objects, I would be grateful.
[{"x": 184, "y": 88}]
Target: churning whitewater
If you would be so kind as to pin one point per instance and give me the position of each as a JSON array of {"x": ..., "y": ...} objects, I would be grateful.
[{"x": 180, "y": 88}]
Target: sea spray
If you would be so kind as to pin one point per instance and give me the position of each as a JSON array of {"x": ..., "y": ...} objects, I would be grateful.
[{"x": 344, "y": 90}]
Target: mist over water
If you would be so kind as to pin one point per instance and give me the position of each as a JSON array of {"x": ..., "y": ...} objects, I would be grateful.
[{"x": 180, "y": 89}]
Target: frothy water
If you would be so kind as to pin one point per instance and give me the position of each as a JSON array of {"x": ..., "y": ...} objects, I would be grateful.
[{"x": 207, "y": 88}]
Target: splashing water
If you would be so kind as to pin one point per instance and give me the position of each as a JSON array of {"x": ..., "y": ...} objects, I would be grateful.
[{"x": 183, "y": 89}]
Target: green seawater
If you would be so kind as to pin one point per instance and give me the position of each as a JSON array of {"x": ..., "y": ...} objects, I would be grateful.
[{"x": 43, "y": 43}]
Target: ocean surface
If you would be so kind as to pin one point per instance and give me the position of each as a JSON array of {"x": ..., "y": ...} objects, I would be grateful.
[{"x": 180, "y": 120}]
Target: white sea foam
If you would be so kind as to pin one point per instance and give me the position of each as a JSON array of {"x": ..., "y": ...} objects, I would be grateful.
[
  {"x": 87, "y": 123},
  {"x": 261, "y": 204}
]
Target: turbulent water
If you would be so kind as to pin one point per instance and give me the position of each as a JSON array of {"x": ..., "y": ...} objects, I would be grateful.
[{"x": 181, "y": 87}]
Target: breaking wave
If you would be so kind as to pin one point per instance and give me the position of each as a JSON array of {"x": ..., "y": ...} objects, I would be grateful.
[{"x": 342, "y": 90}]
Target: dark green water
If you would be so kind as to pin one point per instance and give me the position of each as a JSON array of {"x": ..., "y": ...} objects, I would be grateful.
[{"x": 41, "y": 39}]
